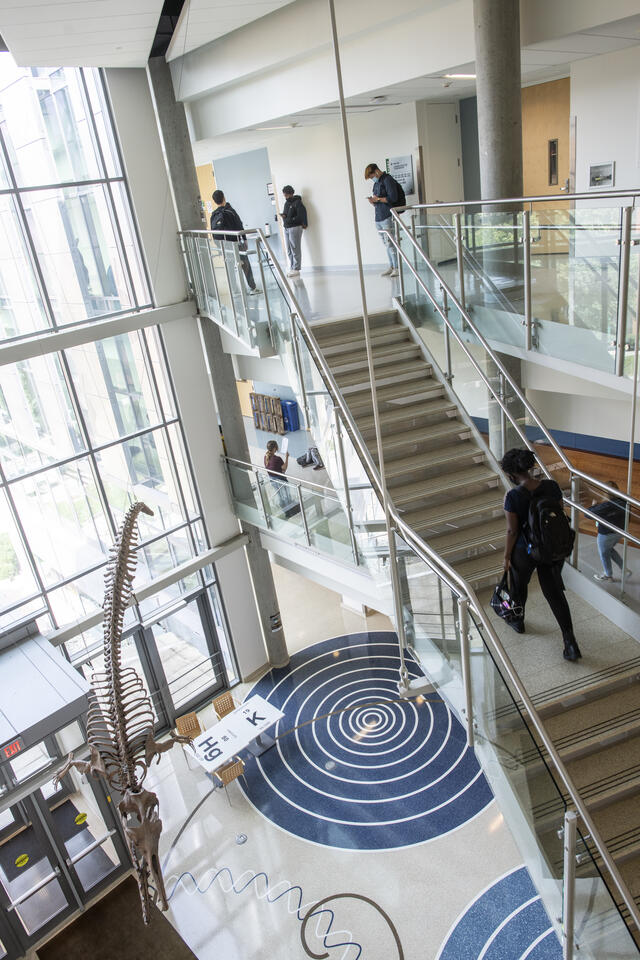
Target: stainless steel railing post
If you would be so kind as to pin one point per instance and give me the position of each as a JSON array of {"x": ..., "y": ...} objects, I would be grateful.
[
  {"x": 400, "y": 264},
  {"x": 298, "y": 363},
  {"x": 575, "y": 517},
  {"x": 345, "y": 485},
  {"x": 447, "y": 340},
  {"x": 526, "y": 243},
  {"x": 460, "y": 258},
  {"x": 623, "y": 289},
  {"x": 465, "y": 656},
  {"x": 569, "y": 884},
  {"x": 303, "y": 515},
  {"x": 265, "y": 294}
]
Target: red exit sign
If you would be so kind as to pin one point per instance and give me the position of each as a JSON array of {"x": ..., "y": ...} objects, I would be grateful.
[{"x": 11, "y": 749}]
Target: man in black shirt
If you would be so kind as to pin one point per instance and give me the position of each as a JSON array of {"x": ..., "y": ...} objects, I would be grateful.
[
  {"x": 614, "y": 511},
  {"x": 224, "y": 217},
  {"x": 294, "y": 219},
  {"x": 387, "y": 193}
]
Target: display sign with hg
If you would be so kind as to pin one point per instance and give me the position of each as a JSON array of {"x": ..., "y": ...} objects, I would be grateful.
[
  {"x": 9, "y": 750},
  {"x": 401, "y": 169}
]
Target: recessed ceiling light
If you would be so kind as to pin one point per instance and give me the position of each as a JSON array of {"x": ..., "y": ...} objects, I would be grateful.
[
  {"x": 460, "y": 76},
  {"x": 379, "y": 99}
]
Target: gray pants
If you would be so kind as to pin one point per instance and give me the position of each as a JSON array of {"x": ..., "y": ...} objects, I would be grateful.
[{"x": 294, "y": 246}]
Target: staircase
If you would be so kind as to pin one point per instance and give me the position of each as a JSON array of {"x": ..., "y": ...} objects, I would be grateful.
[{"x": 438, "y": 472}]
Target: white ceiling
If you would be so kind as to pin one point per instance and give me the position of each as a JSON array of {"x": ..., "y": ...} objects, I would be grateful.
[
  {"x": 79, "y": 33},
  {"x": 202, "y": 21}
]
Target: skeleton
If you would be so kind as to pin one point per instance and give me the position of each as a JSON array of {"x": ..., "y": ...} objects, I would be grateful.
[{"x": 120, "y": 726}]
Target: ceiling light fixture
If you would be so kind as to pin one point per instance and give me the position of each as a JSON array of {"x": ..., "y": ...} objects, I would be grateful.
[
  {"x": 379, "y": 99},
  {"x": 460, "y": 76},
  {"x": 280, "y": 126}
]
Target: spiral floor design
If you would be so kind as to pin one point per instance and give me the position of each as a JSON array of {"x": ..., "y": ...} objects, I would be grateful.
[
  {"x": 506, "y": 922},
  {"x": 376, "y": 776}
]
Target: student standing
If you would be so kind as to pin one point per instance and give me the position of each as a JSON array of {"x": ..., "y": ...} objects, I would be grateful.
[
  {"x": 277, "y": 468},
  {"x": 387, "y": 193},
  {"x": 614, "y": 511},
  {"x": 224, "y": 217},
  {"x": 518, "y": 464},
  {"x": 294, "y": 219}
]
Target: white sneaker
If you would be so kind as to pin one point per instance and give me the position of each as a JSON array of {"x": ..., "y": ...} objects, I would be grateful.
[
  {"x": 254, "y": 292},
  {"x": 387, "y": 272},
  {"x": 294, "y": 273},
  {"x": 602, "y": 577},
  {"x": 394, "y": 273}
]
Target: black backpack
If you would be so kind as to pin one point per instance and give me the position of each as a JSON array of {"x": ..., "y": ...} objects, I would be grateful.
[{"x": 549, "y": 532}]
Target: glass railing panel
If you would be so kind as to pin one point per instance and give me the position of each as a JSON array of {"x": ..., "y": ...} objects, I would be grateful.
[
  {"x": 430, "y": 618},
  {"x": 282, "y": 505},
  {"x": 327, "y": 524},
  {"x": 246, "y": 494},
  {"x": 633, "y": 300},
  {"x": 600, "y": 930},
  {"x": 517, "y": 770},
  {"x": 575, "y": 260}
]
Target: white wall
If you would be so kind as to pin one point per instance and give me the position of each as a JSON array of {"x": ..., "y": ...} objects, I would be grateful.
[
  {"x": 312, "y": 159},
  {"x": 605, "y": 99}
]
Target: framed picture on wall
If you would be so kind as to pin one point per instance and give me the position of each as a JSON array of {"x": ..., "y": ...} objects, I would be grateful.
[
  {"x": 270, "y": 191},
  {"x": 602, "y": 175}
]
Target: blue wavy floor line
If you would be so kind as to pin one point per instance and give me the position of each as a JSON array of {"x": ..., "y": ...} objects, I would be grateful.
[{"x": 295, "y": 887}]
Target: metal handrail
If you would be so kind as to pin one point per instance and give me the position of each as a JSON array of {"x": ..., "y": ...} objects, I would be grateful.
[
  {"x": 298, "y": 481},
  {"x": 446, "y": 573},
  {"x": 562, "y": 198},
  {"x": 494, "y": 357}
]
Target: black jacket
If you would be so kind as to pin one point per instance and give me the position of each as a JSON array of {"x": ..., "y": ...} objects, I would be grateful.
[
  {"x": 294, "y": 213},
  {"x": 226, "y": 218},
  {"x": 387, "y": 186},
  {"x": 613, "y": 510}
]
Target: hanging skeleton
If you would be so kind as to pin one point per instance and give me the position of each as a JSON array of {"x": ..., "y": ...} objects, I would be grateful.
[{"x": 120, "y": 725}]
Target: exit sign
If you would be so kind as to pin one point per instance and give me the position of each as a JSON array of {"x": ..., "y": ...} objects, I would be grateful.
[{"x": 10, "y": 750}]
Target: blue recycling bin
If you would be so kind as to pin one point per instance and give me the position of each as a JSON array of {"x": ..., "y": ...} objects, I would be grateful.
[{"x": 290, "y": 415}]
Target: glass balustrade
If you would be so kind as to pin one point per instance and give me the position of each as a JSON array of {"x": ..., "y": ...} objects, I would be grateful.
[{"x": 347, "y": 523}]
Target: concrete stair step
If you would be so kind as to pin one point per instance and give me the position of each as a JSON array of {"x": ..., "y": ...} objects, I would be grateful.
[
  {"x": 619, "y": 826},
  {"x": 478, "y": 536},
  {"x": 417, "y": 414},
  {"x": 431, "y": 460},
  {"x": 328, "y": 329},
  {"x": 586, "y": 728},
  {"x": 406, "y": 442},
  {"x": 356, "y": 381},
  {"x": 401, "y": 392},
  {"x": 453, "y": 483},
  {"x": 347, "y": 343},
  {"x": 488, "y": 503},
  {"x": 392, "y": 353},
  {"x": 480, "y": 570}
]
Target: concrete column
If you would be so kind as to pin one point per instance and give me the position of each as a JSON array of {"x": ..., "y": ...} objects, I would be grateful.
[
  {"x": 176, "y": 143},
  {"x": 497, "y": 37}
]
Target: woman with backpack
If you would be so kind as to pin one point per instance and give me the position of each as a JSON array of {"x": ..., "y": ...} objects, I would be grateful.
[{"x": 538, "y": 538}]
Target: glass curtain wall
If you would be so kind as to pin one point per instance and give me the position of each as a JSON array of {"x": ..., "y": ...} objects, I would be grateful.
[
  {"x": 86, "y": 431},
  {"x": 68, "y": 247}
]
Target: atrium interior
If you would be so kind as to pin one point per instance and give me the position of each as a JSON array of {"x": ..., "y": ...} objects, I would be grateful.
[{"x": 281, "y": 284}]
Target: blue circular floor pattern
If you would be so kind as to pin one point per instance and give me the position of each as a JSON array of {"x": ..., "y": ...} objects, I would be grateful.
[
  {"x": 379, "y": 776},
  {"x": 506, "y": 922}
]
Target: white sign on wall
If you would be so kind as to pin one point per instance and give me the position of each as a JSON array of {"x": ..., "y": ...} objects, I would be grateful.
[{"x": 401, "y": 169}]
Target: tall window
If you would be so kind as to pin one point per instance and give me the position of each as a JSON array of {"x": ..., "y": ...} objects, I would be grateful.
[
  {"x": 68, "y": 248},
  {"x": 87, "y": 431}
]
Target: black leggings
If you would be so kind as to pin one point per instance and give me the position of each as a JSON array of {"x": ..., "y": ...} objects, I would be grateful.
[{"x": 550, "y": 577}]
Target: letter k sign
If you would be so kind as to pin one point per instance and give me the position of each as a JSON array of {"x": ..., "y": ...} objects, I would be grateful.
[{"x": 254, "y": 718}]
